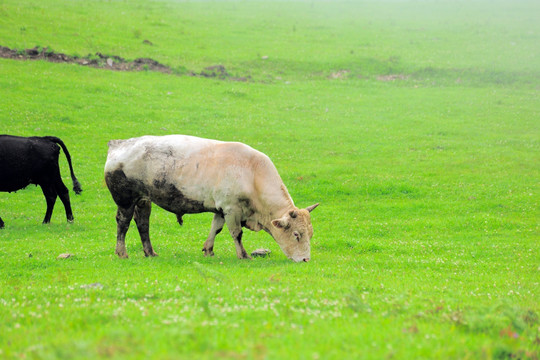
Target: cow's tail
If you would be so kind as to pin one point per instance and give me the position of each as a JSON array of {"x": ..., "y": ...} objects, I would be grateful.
[{"x": 76, "y": 184}]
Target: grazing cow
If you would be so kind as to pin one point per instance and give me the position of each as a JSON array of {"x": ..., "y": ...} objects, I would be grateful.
[
  {"x": 34, "y": 160},
  {"x": 187, "y": 175}
]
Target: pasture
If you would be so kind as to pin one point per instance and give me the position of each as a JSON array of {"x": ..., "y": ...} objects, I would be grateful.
[{"x": 414, "y": 124}]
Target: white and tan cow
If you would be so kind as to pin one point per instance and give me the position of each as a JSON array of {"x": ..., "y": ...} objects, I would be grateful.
[{"x": 187, "y": 175}]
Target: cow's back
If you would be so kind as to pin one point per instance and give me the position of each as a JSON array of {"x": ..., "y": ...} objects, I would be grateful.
[{"x": 152, "y": 154}]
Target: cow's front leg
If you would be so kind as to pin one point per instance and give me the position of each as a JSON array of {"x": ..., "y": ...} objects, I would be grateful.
[
  {"x": 233, "y": 221},
  {"x": 123, "y": 218},
  {"x": 217, "y": 226},
  {"x": 142, "y": 219}
]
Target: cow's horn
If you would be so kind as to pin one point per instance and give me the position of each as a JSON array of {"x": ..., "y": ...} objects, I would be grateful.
[
  {"x": 310, "y": 208},
  {"x": 293, "y": 214}
]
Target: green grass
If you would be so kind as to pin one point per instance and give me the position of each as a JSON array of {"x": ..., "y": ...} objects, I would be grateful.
[{"x": 426, "y": 241}]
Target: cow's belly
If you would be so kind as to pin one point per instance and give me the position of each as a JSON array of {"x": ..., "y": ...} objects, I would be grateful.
[
  {"x": 170, "y": 198},
  {"x": 13, "y": 184}
]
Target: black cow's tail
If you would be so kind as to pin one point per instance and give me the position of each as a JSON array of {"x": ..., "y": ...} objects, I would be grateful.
[{"x": 76, "y": 184}]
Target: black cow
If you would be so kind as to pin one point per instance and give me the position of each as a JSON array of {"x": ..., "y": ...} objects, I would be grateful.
[{"x": 34, "y": 160}]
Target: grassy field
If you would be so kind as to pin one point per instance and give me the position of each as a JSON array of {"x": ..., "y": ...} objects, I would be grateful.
[{"x": 415, "y": 124}]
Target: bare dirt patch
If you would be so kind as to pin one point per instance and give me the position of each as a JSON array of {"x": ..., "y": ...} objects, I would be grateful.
[
  {"x": 112, "y": 62},
  {"x": 392, "y": 77},
  {"x": 341, "y": 74},
  {"x": 98, "y": 60}
]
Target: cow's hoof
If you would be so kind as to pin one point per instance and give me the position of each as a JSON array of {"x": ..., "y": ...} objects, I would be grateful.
[
  {"x": 152, "y": 254},
  {"x": 122, "y": 255},
  {"x": 208, "y": 252}
]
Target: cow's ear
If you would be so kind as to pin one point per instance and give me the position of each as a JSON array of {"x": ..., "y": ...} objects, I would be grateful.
[
  {"x": 310, "y": 208},
  {"x": 280, "y": 223}
]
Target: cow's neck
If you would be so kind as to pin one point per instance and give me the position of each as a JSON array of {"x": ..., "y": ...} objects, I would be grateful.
[{"x": 277, "y": 206}]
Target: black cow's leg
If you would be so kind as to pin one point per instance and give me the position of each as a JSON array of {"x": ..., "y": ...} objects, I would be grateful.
[
  {"x": 217, "y": 226},
  {"x": 1, "y": 224},
  {"x": 142, "y": 219},
  {"x": 123, "y": 218},
  {"x": 50, "y": 197},
  {"x": 63, "y": 194},
  {"x": 233, "y": 221}
]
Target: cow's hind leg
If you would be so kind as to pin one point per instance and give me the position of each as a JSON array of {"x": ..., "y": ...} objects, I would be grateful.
[
  {"x": 233, "y": 221},
  {"x": 63, "y": 194},
  {"x": 50, "y": 197},
  {"x": 217, "y": 226},
  {"x": 123, "y": 218},
  {"x": 142, "y": 219}
]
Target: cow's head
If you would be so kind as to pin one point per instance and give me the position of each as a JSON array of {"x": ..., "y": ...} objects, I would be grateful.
[{"x": 293, "y": 233}]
